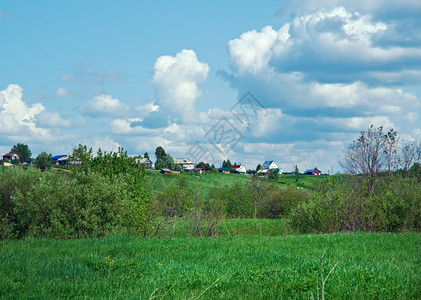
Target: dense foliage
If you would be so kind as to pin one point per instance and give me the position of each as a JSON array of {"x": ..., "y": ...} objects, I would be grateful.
[
  {"x": 344, "y": 203},
  {"x": 23, "y": 151},
  {"x": 106, "y": 194},
  {"x": 109, "y": 192}
]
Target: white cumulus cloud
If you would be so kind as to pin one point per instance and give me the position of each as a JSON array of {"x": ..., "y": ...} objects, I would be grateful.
[
  {"x": 177, "y": 81},
  {"x": 104, "y": 105},
  {"x": 16, "y": 117}
]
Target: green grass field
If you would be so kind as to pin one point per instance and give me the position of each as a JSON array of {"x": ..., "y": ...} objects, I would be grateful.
[
  {"x": 207, "y": 181},
  {"x": 369, "y": 266}
]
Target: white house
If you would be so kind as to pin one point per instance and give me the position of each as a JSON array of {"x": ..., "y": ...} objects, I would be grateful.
[
  {"x": 184, "y": 163},
  {"x": 270, "y": 165},
  {"x": 239, "y": 168}
]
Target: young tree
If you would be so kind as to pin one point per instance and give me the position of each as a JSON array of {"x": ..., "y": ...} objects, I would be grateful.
[
  {"x": 23, "y": 151},
  {"x": 43, "y": 161},
  {"x": 274, "y": 174},
  {"x": 297, "y": 173}
]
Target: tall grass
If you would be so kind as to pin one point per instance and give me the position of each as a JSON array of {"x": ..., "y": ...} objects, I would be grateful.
[{"x": 371, "y": 266}]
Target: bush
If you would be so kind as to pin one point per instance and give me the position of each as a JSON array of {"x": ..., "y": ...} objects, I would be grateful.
[
  {"x": 52, "y": 204},
  {"x": 343, "y": 203}
]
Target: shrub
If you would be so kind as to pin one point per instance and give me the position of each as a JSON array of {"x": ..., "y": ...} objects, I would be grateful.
[
  {"x": 52, "y": 204},
  {"x": 342, "y": 203}
]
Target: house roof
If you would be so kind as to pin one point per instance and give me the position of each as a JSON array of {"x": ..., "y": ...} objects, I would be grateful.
[
  {"x": 182, "y": 161},
  {"x": 224, "y": 169},
  {"x": 166, "y": 170},
  {"x": 312, "y": 170},
  {"x": 11, "y": 154},
  {"x": 55, "y": 157},
  {"x": 144, "y": 160}
]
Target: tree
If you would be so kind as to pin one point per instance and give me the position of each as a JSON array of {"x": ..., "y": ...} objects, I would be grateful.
[
  {"x": 227, "y": 164},
  {"x": 259, "y": 167},
  {"x": 43, "y": 161},
  {"x": 258, "y": 189},
  {"x": 146, "y": 155},
  {"x": 23, "y": 151},
  {"x": 410, "y": 154},
  {"x": 159, "y": 153},
  {"x": 274, "y": 174},
  {"x": 370, "y": 154},
  {"x": 163, "y": 160},
  {"x": 297, "y": 173},
  {"x": 82, "y": 154}
]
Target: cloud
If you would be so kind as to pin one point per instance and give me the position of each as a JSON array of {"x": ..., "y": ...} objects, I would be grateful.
[
  {"x": 61, "y": 92},
  {"x": 104, "y": 105},
  {"x": 177, "y": 81},
  {"x": 105, "y": 144},
  {"x": 51, "y": 119},
  {"x": 324, "y": 46},
  {"x": 331, "y": 70},
  {"x": 18, "y": 119},
  {"x": 88, "y": 75}
]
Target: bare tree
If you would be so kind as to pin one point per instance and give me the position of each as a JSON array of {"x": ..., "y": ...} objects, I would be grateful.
[
  {"x": 410, "y": 154},
  {"x": 391, "y": 150},
  {"x": 370, "y": 154}
]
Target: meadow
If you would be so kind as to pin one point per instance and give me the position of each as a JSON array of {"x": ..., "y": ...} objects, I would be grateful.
[
  {"x": 205, "y": 182},
  {"x": 362, "y": 265}
]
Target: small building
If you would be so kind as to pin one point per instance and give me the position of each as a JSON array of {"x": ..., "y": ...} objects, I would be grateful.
[
  {"x": 314, "y": 171},
  {"x": 11, "y": 157},
  {"x": 145, "y": 161},
  {"x": 61, "y": 160},
  {"x": 241, "y": 169},
  {"x": 224, "y": 170},
  {"x": 270, "y": 165},
  {"x": 166, "y": 171},
  {"x": 185, "y": 164}
]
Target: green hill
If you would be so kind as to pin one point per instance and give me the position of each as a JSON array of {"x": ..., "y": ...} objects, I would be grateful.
[{"x": 206, "y": 181}]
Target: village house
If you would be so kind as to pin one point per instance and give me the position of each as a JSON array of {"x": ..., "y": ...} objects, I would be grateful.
[
  {"x": 11, "y": 157},
  {"x": 314, "y": 171},
  {"x": 144, "y": 161},
  {"x": 185, "y": 164},
  {"x": 224, "y": 170},
  {"x": 270, "y": 165},
  {"x": 241, "y": 169},
  {"x": 60, "y": 160}
]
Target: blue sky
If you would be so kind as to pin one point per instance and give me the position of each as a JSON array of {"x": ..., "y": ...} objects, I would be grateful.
[{"x": 139, "y": 75}]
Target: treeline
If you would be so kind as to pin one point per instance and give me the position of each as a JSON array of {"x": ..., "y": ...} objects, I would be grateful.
[{"x": 95, "y": 202}]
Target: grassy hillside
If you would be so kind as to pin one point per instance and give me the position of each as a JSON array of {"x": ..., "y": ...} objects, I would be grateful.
[
  {"x": 203, "y": 182},
  {"x": 206, "y": 181},
  {"x": 368, "y": 266}
]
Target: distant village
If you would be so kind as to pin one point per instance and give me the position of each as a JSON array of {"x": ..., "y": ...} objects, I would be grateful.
[{"x": 179, "y": 165}]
